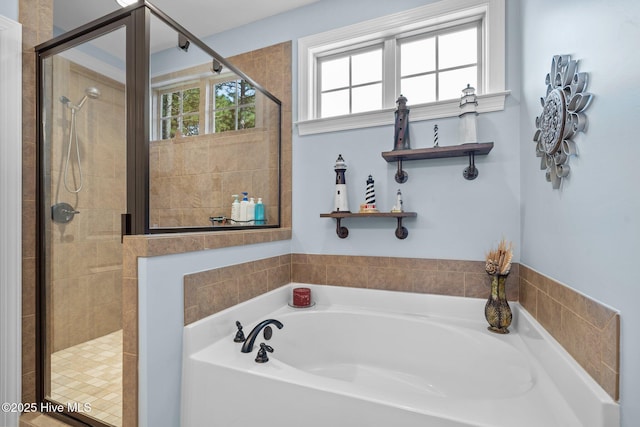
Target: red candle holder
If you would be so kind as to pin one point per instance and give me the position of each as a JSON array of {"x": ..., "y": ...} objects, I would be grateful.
[{"x": 301, "y": 297}]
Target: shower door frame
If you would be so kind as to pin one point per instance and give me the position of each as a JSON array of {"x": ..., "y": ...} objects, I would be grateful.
[{"x": 133, "y": 19}]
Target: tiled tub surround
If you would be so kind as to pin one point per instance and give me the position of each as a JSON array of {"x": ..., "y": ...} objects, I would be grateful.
[
  {"x": 354, "y": 355},
  {"x": 209, "y": 292},
  {"x": 433, "y": 276},
  {"x": 587, "y": 329}
]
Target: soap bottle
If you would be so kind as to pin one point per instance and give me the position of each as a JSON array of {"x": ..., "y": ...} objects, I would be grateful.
[
  {"x": 259, "y": 212},
  {"x": 235, "y": 209},
  {"x": 251, "y": 211},
  {"x": 243, "y": 208}
]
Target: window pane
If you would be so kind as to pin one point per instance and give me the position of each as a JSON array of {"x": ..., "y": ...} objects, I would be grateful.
[
  {"x": 225, "y": 94},
  {"x": 418, "y": 56},
  {"x": 334, "y": 74},
  {"x": 247, "y": 94},
  {"x": 190, "y": 125},
  {"x": 247, "y": 116},
  {"x": 225, "y": 120},
  {"x": 175, "y": 104},
  {"x": 166, "y": 105},
  {"x": 169, "y": 128},
  {"x": 191, "y": 100},
  {"x": 366, "y": 67},
  {"x": 366, "y": 98},
  {"x": 452, "y": 82},
  {"x": 419, "y": 90},
  {"x": 458, "y": 48},
  {"x": 334, "y": 103}
]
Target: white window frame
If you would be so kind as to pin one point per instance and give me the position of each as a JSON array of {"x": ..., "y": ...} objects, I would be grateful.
[
  {"x": 184, "y": 86},
  {"x": 436, "y": 15}
]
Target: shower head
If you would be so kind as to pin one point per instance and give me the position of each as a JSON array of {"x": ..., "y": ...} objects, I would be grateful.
[{"x": 91, "y": 92}]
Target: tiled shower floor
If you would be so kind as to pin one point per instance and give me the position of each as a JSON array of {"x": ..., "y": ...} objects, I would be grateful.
[{"x": 91, "y": 372}]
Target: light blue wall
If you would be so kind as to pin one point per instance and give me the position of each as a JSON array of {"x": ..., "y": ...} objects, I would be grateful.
[
  {"x": 9, "y": 9},
  {"x": 587, "y": 234},
  {"x": 457, "y": 219}
]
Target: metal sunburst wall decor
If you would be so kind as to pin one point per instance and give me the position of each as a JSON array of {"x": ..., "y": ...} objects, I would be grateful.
[{"x": 562, "y": 117}]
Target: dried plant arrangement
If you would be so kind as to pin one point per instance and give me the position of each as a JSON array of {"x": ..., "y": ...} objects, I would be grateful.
[{"x": 499, "y": 260}]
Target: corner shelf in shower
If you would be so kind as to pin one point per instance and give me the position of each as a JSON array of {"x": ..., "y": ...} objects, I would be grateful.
[
  {"x": 343, "y": 232},
  {"x": 462, "y": 150}
]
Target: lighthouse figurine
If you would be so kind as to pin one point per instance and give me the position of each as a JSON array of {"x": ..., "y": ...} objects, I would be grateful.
[
  {"x": 401, "y": 136},
  {"x": 369, "y": 205},
  {"x": 341, "y": 204},
  {"x": 468, "y": 104}
]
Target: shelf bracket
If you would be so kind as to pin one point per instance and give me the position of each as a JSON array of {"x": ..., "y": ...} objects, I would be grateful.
[
  {"x": 342, "y": 232},
  {"x": 401, "y": 175},
  {"x": 401, "y": 232},
  {"x": 471, "y": 172}
]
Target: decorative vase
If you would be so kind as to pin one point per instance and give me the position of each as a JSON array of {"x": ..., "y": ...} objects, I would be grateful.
[{"x": 497, "y": 310}]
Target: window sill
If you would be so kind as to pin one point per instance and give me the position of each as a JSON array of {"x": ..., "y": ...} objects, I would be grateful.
[{"x": 434, "y": 110}]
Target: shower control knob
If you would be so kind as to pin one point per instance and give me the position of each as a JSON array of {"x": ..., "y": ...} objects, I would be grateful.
[
  {"x": 262, "y": 356},
  {"x": 63, "y": 213}
]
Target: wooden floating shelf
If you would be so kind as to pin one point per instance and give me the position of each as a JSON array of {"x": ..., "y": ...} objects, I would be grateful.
[
  {"x": 462, "y": 150},
  {"x": 343, "y": 232}
]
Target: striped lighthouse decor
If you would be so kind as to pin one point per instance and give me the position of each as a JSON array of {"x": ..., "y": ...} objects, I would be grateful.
[
  {"x": 370, "y": 198},
  {"x": 435, "y": 136}
]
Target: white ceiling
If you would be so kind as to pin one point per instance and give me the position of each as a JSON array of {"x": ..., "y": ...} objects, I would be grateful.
[{"x": 200, "y": 17}]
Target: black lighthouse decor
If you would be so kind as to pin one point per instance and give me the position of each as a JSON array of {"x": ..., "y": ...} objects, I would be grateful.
[{"x": 401, "y": 140}]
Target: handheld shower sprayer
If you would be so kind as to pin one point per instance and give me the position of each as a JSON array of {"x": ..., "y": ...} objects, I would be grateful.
[{"x": 90, "y": 92}]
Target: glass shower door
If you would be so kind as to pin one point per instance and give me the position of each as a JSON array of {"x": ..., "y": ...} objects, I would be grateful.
[{"x": 84, "y": 195}]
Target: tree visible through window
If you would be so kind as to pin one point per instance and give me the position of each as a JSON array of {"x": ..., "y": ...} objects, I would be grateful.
[
  {"x": 234, "y": 106},
  {"x": 180, "y": 113}
]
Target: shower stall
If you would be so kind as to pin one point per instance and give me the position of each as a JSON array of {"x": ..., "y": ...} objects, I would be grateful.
[{"x": 141, "y": 128}]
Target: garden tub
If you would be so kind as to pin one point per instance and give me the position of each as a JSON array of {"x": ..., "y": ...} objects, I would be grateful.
[{"x": 361, "y": 357}]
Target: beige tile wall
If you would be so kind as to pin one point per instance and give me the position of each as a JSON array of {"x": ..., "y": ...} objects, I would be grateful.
[
  {"x": 193, "y": 178},
  {"x": 208, "y": 292},
  {"x": 587, "y": 329},
  {"x": 433, "y": 276}
]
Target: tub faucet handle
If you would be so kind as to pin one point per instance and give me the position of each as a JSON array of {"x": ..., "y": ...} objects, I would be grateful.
[
  {"x": 262, "y": 356},
  {"x": 239, "y": 335}
]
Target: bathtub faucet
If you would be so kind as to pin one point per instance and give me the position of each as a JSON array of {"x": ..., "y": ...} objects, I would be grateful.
[{"x": 247, "y": 347}]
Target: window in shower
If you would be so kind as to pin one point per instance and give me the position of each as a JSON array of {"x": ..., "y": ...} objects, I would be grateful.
[
  {"x": 180, "y": 112},
  {"x": 233, "y": 105}
]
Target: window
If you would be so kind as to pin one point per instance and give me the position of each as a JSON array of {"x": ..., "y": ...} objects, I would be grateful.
[
  {"x": 351, "y": 77},
  {"x": 179, "y": 113},
  {"x": 438, "y": 66},
  {"x": 233, "y": 106},
  {"x": 350, "y": 83}
]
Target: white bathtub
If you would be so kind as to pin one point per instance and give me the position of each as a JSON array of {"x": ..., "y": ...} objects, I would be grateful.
[{"x": 377, "y": 358}]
